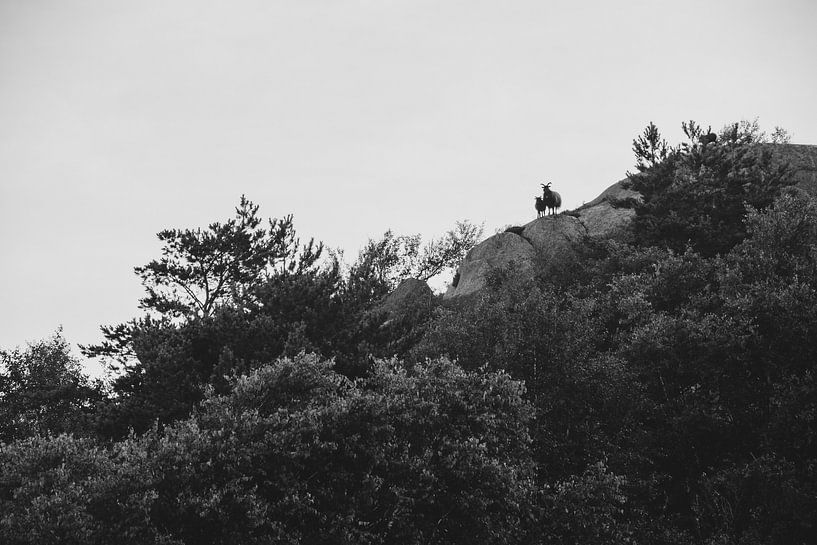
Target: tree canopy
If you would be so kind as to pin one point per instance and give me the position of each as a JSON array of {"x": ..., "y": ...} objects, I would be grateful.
[
  {"x": 696, "y": 193},
  {"x": 202, "y": 269}
]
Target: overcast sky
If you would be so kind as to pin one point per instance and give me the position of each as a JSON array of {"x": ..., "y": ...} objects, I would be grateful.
[{"x": 121, "y": 118}]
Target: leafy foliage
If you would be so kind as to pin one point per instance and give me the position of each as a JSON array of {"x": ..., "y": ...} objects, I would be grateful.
[
  {"x": 61, "y": 490},
  {"x": 43, "y": 390},
  {"x": 295, "y": 453},
  {"x": 228, "y": 299},
  {"x": 383, "y": 263},
  {"x": 589, "y": 508},
  {"x": 201, "y": 269},
  {"x": 650, "y": 148}
]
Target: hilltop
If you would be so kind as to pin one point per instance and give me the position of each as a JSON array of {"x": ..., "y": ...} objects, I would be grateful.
[{"x": 535, "y": 246}]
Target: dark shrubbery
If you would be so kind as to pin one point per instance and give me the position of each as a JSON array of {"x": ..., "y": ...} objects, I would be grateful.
[
  {"x": 294, "y": 453},
  {"x": 696, "y": 194}
]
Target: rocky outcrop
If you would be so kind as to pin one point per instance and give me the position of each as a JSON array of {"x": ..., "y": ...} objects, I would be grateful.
[
  {"x": 547, "y": 240},
  {"x": 544, "y": 241},
  {"x": 553, "y": 236},
  {"x": 616, "y": 194},
  {"x": 409, "y": 295},
  {"x": 607, "y": 220},
  {"x": 611, "y": 213},
  {"x": 499, "y": 251}
]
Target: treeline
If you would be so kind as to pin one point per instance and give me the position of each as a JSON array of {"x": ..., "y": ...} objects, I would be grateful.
[{"x": 658, "y": 389}]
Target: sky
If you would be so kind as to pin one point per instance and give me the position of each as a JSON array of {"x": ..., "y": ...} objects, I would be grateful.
[{"x": 122, "y": 118}]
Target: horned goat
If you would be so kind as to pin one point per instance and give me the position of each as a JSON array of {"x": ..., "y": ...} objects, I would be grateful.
[{"x": 549, "y": 201}]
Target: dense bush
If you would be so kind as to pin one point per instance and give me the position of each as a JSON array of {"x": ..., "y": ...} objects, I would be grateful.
[
  {"x": 696, "y": 193},
  {"x": 43, "y": 390},
  {"x": 295, "y": 453}
]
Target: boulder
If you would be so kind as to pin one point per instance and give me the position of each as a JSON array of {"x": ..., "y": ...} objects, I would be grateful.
[
  {"x": 554, "y": 237},
  {"x": 606, "y": 220},
  {"x": 611, "y": 213},
  {"x": 410, "y": 294},
  {"x": 501, "y": 250},
  {"x": 615, "y": 194}
]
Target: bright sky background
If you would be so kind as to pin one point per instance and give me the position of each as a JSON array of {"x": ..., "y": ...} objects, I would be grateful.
[{"x": 121, "y": 118}]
